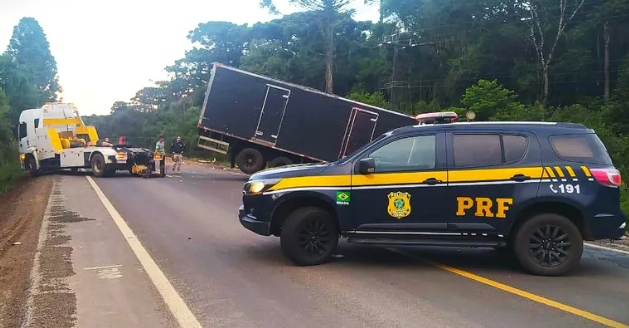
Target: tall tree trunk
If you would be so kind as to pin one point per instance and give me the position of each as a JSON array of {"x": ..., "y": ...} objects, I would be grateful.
[
  {"x": 327, "y": 29},
  {"x": 607, "y": 36},
  {"x": 546, "y": 88}
]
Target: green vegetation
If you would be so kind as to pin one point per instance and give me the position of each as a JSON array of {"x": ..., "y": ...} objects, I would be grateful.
[{"x": 28, "y": 78}]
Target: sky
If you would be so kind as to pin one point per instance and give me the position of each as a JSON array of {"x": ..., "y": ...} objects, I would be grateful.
[{"x": 108, "y": 50}]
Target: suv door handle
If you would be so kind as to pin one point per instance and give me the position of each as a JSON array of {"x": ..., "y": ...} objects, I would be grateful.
[
  {"x": 431, "y": 181},
  {"x": 520, "y": 177}
]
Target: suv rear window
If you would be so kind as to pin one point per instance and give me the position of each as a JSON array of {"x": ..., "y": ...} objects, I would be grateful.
[{"x": 582, "y": 148}]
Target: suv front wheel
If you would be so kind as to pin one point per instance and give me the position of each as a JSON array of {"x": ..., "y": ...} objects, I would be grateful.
[
  {"x": 548, "y": 244},
  {"x": 309, "y": 236}
]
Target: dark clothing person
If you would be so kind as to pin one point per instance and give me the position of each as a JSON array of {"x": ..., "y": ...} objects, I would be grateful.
[
  {"x": 177, "y": 147},
  {"x": 177, "y": 150}
]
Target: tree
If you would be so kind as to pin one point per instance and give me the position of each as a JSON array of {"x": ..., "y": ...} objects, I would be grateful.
[
  {"x": 606, "y": 17},
  {"x": 488, "y": 99},
  {"x": 20, "y": 92},
  {"x": 541, "y": 17},
  {"x": 329, "y": 12},
  {"x": 30, "y": 49},
  {"x": 9, "y": 167}
]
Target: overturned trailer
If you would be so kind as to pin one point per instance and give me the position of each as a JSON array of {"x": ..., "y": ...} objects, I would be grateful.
[{"x": 259, "y": 121}]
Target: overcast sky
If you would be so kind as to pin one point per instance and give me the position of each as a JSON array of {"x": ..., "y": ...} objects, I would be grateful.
[{"x": 108, "y": 50}]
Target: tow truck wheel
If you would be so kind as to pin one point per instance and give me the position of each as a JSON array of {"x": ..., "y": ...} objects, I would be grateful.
[
  {"x": 250, "y": 160},
  {"x": 548, "y": 244},
  {"x": 309, "y": 236},
  {"x": 32, "y": 167},
  {"x": 99, "y": 168}
]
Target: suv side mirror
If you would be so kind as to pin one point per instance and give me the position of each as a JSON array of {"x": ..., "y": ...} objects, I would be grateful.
[{"x": 366, "y": 166}]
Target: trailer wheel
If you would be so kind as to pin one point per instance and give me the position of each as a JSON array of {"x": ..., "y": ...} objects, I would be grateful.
[
  {"x": 280, "y": 161},
  {"x": 99, "y": 168},
  {"x": 250, "y": 160}
]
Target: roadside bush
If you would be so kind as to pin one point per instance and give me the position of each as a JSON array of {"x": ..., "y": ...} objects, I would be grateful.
[{"x": 9, "y": 160}]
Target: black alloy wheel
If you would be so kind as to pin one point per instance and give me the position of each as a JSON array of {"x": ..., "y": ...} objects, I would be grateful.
[
  {"x": 309, "y": 236},
  {"x": 314, "y": 238},
  {"x": 549, "y": 245}
]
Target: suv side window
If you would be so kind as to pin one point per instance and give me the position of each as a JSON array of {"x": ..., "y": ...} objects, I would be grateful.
[
  {"x": 514, "y": 147},
  {"x": 473, "y": 150},
  {"x": 582, "y": 148},
  {"x": 476, "y": 150},
  {"x": 407, "y": 154}
]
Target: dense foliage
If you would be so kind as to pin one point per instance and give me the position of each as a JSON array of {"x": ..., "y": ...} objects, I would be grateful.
[{"x": 28, "y": 78}]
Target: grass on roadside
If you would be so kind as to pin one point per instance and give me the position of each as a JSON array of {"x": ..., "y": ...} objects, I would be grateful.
[{"x": 8, "y": 174}]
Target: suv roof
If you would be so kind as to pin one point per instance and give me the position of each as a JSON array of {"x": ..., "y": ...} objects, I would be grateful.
[{"x": 498, "y": 125}]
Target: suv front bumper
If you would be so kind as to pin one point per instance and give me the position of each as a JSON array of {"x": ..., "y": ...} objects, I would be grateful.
[{"x": 250, "y": 222}]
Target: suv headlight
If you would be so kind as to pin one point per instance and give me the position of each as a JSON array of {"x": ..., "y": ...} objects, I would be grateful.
[{"x": 259, "y": 186}]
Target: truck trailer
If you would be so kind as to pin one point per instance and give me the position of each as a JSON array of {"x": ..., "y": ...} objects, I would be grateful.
[{"x": 259, "y": 121}]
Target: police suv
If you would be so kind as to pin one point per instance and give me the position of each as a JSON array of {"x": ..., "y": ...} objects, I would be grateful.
[{"x": 536, "y": 188}]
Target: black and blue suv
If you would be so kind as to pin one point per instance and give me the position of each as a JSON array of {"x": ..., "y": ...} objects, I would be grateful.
[{"x": 536, "y": 188}]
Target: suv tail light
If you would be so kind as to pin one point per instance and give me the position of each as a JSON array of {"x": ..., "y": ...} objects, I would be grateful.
[{"x": 608, "y": 177}]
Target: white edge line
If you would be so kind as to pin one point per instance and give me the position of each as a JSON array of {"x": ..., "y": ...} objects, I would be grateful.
[
  {"x": 608, "y": 248},
  {"x": 176, "y": 304}
]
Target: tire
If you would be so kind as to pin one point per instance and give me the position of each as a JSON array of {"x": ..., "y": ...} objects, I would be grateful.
[
  {"x": 32, "y": 167},
  {"x": 99, "y": 168},
  {"x": 162, "y": 166},
  {"x": 309, "y": 222},
  {"x": 543, "y": 227},
  {"x": 250, "y": 160},
  {"x": 74, "y": 170},
  {"x": 280, "y": 161}
]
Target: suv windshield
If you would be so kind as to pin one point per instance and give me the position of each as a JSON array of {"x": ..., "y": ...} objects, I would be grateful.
[{"x": 359, "y": 150}]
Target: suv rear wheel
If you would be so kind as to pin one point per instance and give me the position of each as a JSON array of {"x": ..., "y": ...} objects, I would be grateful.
[
  {"x": 548, "y": 244},
  {"x": 309, "y": 236}
]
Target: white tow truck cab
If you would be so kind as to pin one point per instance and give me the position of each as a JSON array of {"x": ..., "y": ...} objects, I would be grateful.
[{"x": 54, "y": 137}]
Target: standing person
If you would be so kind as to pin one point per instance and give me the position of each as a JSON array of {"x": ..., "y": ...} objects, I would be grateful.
[
  {"x": 159, "y": 146},
  {"x": 177, "y": 150}
]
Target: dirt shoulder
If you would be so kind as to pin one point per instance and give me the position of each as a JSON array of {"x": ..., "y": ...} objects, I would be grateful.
[{"x": 21, "y": 213}]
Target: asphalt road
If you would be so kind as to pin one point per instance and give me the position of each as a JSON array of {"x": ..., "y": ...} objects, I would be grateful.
[{"x": 230, "y": 277}]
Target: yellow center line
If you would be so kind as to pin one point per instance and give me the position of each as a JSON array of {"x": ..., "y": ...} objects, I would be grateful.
[{"x": 525, "y": 294}]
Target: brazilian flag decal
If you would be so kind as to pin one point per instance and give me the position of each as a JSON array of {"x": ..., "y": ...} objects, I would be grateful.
[{"x": 342, "y": 197}]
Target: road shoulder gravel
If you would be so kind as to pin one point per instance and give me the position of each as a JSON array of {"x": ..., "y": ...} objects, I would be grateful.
[{"x": 21, "y": 213}]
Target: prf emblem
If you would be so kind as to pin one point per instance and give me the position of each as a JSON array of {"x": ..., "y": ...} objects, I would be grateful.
[{"x": 399, "y": 204}]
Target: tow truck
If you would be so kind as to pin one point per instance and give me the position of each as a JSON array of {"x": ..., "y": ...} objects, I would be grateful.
[{"x": 54, "y": 137}]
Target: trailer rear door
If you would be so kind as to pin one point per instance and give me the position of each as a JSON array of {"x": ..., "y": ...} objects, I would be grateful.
[
  {"x": 272, "y": 113},
  {"x": 362, "y": 125}
]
